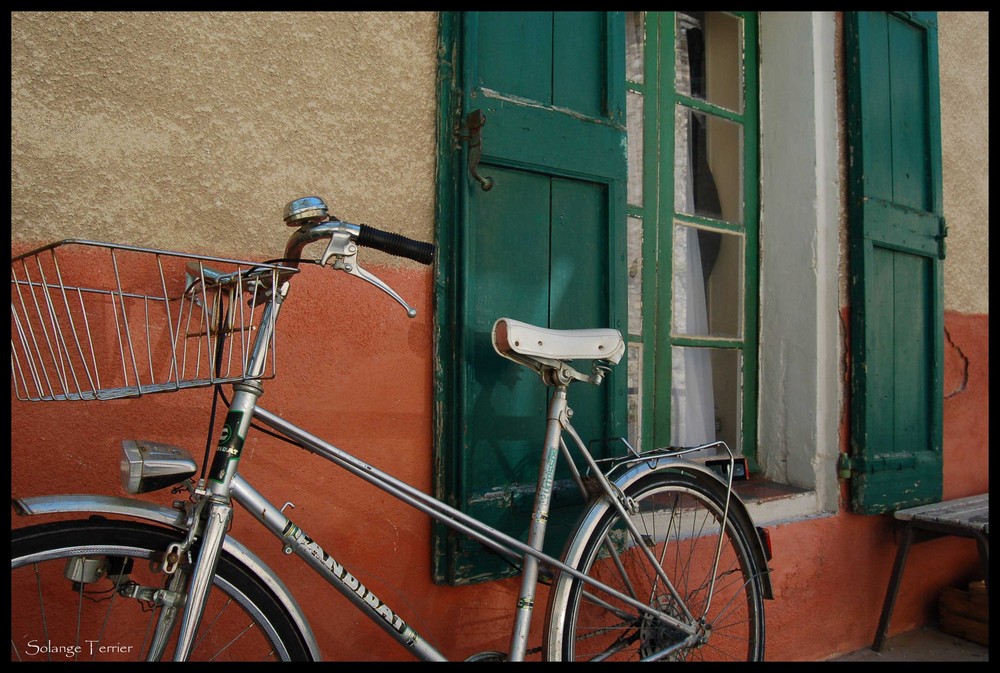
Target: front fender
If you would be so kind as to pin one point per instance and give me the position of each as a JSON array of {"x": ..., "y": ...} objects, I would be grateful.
[{"x": 138, "y": 509}]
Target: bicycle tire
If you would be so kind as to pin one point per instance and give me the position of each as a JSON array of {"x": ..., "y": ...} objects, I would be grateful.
[
  {"x": 54, "y": 617},
  {"x": 681, "y": 514}
]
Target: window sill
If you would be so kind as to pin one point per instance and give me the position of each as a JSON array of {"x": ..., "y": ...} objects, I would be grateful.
[
  {"x": 756, "y": 489},
  {"x": 771, "y": 502}
]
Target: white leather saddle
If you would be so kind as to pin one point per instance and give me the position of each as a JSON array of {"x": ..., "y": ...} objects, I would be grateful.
[{"x": 540, "y": 348}]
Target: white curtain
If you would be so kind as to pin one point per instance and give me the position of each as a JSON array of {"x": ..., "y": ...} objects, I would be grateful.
[{"x": 692, "y": 394}]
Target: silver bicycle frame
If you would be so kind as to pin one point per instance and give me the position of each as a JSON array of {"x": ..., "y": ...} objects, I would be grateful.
[{"x": 295, "y": 540}]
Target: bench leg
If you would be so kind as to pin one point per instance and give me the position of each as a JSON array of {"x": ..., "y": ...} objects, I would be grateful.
[
  {"x": 893, "y": 589},
  {"x": 983, "y": 543}
]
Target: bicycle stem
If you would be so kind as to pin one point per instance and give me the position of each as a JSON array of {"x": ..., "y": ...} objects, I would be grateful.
[{"x": 306, "y": 234}]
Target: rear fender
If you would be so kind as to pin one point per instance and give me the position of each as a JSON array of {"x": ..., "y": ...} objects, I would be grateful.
[
  {"x": 626, "y": 474},
  {"x": 623, "y": 476}
]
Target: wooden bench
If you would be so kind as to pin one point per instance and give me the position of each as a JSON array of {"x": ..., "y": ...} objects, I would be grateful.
[{"x": 965, "y": 517}]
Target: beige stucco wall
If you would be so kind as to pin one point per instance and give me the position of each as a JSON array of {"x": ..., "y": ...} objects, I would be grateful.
[
  {"x": 964, "y": 51},
  {"x": 192, "y": 130}
]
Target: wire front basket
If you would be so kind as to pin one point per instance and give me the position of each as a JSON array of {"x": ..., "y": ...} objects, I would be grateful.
[{"x": 99, "y": 321}]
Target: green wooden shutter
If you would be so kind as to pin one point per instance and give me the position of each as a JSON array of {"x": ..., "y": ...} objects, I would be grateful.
[
  {"x": 545, "y": 244},
  {"x": 897, "y": 248}
]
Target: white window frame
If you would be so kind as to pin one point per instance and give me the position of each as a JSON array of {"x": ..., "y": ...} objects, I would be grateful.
[{"x": 802, "y": 354}]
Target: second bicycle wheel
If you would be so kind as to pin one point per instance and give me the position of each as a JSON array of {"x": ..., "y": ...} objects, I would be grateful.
[
  {"x": 93, "y": 590},
  {"x": 679, "y": 518}
]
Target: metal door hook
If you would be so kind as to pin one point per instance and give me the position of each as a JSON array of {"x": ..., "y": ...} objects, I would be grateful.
[{"x": 470, "y": 131}]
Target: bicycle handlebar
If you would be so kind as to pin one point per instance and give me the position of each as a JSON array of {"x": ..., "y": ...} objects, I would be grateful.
[
  {"x": 314, "y": 223},
  {"x": 312, "y": 217},
  {"x": 395, "y": 244}
]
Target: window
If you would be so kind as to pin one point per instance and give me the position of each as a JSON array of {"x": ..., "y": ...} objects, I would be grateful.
[
  {"x": 692, "y": 214},
  {"x": 770, "y": 328}
]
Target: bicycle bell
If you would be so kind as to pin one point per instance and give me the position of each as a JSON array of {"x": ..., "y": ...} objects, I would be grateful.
[{"x": 304, "y": 210}]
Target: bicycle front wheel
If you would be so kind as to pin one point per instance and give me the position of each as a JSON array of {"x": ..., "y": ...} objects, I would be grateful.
[
  {"x": 94, "y": 590},
  {"x": 679, "y": 518}
]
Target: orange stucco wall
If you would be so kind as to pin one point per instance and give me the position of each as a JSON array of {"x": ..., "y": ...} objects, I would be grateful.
[{"x": 352, "y": 368}]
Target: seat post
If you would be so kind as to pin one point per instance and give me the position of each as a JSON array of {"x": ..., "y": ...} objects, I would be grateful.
[{"x": 539, "y": 519}]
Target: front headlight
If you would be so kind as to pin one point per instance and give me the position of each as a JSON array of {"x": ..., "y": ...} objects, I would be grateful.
[{"x": 148, "y": 466}]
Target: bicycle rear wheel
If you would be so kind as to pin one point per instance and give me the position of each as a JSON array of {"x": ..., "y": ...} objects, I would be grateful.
[
  {"x": 86, "y": 591},
  {"x": 679, "y": 517}
]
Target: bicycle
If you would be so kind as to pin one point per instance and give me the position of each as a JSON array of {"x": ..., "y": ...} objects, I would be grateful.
[{"x": 665, "y": 561}]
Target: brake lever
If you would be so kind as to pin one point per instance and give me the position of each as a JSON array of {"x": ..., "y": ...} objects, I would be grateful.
[{"x": 345, "y": 253}]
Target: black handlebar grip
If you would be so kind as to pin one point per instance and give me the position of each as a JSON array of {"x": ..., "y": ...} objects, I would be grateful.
[{"x": 395, "y": 244}]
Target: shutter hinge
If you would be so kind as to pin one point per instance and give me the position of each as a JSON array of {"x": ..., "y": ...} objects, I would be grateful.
[
  {"x": 940, "y": 238},
  {"x": 844, "y": 466},
  {"x": 848, "y": 466}
]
